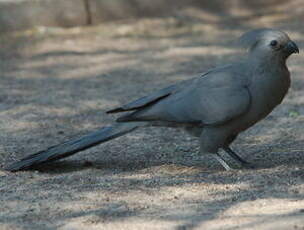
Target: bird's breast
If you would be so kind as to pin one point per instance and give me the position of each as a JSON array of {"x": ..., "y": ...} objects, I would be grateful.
[{"x": 266, "y": 94}]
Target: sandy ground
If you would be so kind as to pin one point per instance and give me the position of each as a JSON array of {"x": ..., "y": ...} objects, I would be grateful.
[{"x": 56, "y": 84}]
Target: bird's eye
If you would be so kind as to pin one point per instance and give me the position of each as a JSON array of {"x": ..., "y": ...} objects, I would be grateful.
[{"x": 274, "y": 43}]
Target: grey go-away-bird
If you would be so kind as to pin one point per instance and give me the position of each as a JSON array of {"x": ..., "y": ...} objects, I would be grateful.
[{"x": 215, "y": 106}]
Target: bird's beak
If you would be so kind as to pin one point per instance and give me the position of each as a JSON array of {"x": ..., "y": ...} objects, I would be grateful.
[{"x": 291, "y": 47}]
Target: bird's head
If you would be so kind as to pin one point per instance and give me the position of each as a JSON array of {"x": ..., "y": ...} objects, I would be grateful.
[{"x": 271, "y": 43}]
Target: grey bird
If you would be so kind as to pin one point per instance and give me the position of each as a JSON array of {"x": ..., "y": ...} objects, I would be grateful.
[{"x": 214, "y": 106}]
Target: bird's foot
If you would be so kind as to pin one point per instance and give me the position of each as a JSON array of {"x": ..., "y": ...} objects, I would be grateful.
[
  {"x": 222, "y": 161},
  {"x": 238, "y": 159}
]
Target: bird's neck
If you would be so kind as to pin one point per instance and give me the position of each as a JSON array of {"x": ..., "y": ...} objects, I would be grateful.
[{"x": 268, "y": 64}]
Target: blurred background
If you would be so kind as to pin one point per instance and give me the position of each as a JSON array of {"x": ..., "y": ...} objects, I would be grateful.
[
  {"x": 63, "y": 63},
  {"x": 22, "y": 14}
]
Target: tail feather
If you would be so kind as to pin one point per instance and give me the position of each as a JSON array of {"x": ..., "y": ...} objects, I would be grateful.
[{"x": 73, "y": 146}]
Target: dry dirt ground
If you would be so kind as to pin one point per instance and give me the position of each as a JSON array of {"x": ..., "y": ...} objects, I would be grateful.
[{"x": 56, "y": 84}]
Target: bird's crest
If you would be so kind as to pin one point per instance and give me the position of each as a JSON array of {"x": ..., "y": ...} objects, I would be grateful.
[{"x": 250, "y": 39}]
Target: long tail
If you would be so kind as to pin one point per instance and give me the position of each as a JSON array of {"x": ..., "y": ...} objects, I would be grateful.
[{"x": 73, "y": 146}]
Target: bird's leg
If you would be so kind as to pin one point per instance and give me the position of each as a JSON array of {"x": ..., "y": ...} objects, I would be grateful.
[
  {"x": 237, "y": 158},
  {"x": 222, "y": 161}
]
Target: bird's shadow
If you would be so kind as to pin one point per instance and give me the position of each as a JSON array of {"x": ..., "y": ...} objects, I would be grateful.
[
  {"x": 68, "y": 166},
  {"x": 261, "y": 158},
  {"x": 65, "y": 166}
]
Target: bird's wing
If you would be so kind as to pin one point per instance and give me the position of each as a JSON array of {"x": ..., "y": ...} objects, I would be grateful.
[
  {"x": 216, "y": 98},
  {"x": 154, "y": 97},
  {"x": 144, "y": 101}
]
